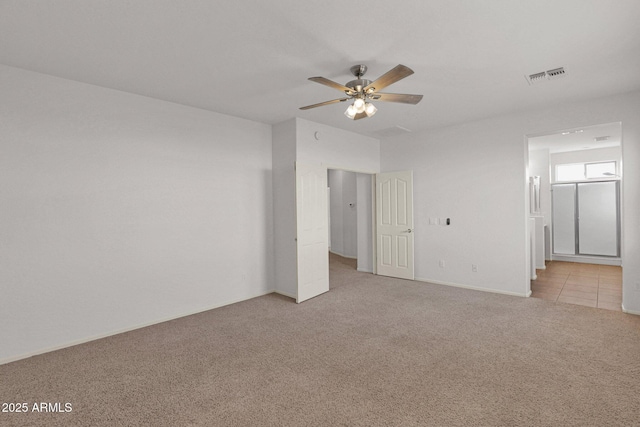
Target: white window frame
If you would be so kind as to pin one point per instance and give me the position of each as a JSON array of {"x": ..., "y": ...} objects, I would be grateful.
[{"x": 584, "y": 171}]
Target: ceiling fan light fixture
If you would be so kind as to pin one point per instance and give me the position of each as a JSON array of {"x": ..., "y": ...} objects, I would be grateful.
[
  {"x": 370, "y": 109},
  {"x": 351, "y": 112},
  {"x": 359, "y": 105}
]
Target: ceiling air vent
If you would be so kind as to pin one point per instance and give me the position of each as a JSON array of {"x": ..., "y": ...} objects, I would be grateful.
[
  {"x": 555, "y": 73},
  {"x": 601, "y": 138},
  {"x": 536, "y": 78},
  {"x": 545, "y": 75}
]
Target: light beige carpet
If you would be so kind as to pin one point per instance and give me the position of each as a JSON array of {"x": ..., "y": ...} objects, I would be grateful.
[{"x": 373, "y": 351}]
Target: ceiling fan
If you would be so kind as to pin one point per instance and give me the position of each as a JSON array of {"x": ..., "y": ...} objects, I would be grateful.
[{"x": 361, "y": 91}]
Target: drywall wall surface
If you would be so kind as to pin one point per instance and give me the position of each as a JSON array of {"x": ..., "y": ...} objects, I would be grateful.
[
  {"x": 475, "y": 173},
  {"x": 365, "y": 222},
  {"x": 472, "y": 177},
  {"x": 349, "y": 212},
  {"x": 539, "y": 166},
  {"x": 336, "y": 210},
  {"x": 336, "y": 148},
  {"x": 120, "y": 211},
  {"x": 284, "y": 207},
  {"x": 631, "y": 204}
]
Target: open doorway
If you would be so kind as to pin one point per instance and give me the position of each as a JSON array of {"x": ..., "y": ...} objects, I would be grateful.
[
  {"x": 575, "y": 218},
  {"x": 394, "y": 210},
  {"x": 350, "y": 210}
]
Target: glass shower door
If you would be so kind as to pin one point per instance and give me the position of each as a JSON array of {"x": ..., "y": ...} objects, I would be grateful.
[
  {"x": 586, "y": 218},
  {"x": 598, "y": 218},
  {"x": 564, "y": 219}
]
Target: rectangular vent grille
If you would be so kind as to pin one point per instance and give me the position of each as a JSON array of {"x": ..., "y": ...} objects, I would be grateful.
[
  {"x": 545, "y": 75},
  {"x": 555, "y": 73},
  {"x": 601, "y": 138},
  {"x": 537, "y": 77}
]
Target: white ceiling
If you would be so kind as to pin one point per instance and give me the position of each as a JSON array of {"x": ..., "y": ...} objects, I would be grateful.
[
  {"x": 583, "y": 138},
  {"x": 252, "y": 58}
]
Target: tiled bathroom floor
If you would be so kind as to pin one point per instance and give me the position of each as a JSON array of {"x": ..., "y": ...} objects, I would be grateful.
[{"x": 576, "y": 283}]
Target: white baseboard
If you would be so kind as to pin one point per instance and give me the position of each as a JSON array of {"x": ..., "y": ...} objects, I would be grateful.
[
  {"x": 123, "y": 330},
  {"x": 365, "y": 270},
  {"x": 624, "y": 310},
  {"x": 342, "y": 255},
  {"x": 586, "y": 259},
  {"x": 285, "y": 294},
  {"x": 475, "y": 288}
]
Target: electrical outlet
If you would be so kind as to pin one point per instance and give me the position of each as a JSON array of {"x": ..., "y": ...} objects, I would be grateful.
[
  {"x": 474, "y": 268},
  {"x": 441, "y": 263}
]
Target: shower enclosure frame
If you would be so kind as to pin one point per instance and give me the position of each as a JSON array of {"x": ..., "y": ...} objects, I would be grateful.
[{"x": 576, "y": 220}]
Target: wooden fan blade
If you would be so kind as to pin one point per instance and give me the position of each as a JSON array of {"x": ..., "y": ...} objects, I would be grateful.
[
  {"x": 330, "y": 83},
  {"x": 333, "y": 101},
  {"x": 396, "y": 97},
  {"x": 399, "y": 72}
]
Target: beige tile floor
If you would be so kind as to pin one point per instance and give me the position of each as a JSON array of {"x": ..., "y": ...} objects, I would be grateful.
[{"x": 584, "y": 284}]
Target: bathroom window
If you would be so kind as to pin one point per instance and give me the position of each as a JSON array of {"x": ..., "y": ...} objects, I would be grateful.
[
  {"x": 584, "y": 171},
  {"x": 600, "y": 170}
]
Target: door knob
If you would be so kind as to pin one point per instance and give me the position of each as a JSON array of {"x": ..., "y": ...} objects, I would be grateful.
[{"x": 408, "y": 231}]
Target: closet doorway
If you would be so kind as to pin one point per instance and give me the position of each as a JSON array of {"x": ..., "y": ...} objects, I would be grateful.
[{"x": 351, "y": 227}]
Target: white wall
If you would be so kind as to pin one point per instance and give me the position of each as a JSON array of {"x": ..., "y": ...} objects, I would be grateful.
[
  {"x": 475, "y": 173},
  {"x": 336, "y": 211},
  {"x": 336, "y": 148},
  {"x": 365, "y": 222},
  {"x": 350, "y": 218},
  {"x": 470, "y": 174},
  {"x": 120, "y": 211},
  {"x": 539, "y": 166}
]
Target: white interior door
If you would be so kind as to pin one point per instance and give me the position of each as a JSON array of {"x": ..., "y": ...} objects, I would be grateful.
[
  {"x": 312, "y": 231},
  {"x": 394, "y": 224}
]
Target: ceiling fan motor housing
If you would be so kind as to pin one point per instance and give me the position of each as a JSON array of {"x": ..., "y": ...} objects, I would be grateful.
[{"x": 358, "y": 84}]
